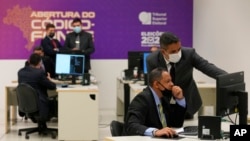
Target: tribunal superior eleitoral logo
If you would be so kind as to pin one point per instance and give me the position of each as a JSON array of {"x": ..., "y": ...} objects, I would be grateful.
[{"x": 153, "y": 18}]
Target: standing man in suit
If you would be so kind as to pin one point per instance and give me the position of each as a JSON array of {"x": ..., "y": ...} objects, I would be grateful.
[
  {"x": 80, "y": 41},
  {"x": 50, "y": 45},
  {"x": 158, "y": 108},
  {"x": 183, "y": 61},
  {"x": 36, "y": 78}
]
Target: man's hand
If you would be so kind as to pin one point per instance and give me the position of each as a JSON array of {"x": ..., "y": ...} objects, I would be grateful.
[
  {"x": 177, "y": 92},
  {"x": 165, "y": 132},
  {"x": 48, "y": 76}
]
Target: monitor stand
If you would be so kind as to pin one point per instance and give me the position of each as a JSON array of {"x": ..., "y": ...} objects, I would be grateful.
[{"x": 242, "y": 106}]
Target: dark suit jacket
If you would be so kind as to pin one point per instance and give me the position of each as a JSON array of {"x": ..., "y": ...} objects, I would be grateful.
[
  {"x": 38, "y": 80},
  {"x": 48, "y": 65},
  {"x": 86, "y": 45},
  {"x": 184, "y": 74},
  {"x": 142, "y": 114},
  {"x": 48, "y": 47}
]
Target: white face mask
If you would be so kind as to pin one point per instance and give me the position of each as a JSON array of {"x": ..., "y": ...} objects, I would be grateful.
[{"x": 174, "y": 58}]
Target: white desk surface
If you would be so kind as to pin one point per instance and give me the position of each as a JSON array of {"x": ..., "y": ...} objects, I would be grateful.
[
  {"x": 140, "y": 86},
  {"x": 199, "y": 84},
  {"x": 224, "y": 125},
  {"x": 76, "y": 87},
  {"x": 137, "y": 87},
  {"x": 144, "y": 138}
]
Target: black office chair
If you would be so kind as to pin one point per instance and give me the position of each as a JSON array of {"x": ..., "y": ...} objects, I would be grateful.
[
  {"x": 116, "y": 128},
  {"x": 27, "y": 99}
]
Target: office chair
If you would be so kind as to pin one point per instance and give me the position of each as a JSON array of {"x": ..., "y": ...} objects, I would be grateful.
[
  {"x": 27, "y": 99},
  {"x": 116, "y": 128}
]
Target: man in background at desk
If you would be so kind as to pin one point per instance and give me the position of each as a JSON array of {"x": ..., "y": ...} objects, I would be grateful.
[
  {"x": 154, "y": 48},
  {"x": 157, "y": 108},
  {"x": 36, "y": 78},
  {"x": 46, "y": 63},
  {"x": 180, "y": 62}
]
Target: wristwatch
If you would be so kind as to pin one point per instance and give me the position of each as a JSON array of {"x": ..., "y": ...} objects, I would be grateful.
[{"x": 154, "y": 131}]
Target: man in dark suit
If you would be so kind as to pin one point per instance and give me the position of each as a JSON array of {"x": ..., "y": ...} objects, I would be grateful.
[
  {"x": 80, "y": 41},
  {"x": 157, "y": 109},
  {"x": 47, "y": 63},
  {"x": 50, "y": 45},
  {"x": 184, "y": 60},
  {"x": 36, "y": 78}
]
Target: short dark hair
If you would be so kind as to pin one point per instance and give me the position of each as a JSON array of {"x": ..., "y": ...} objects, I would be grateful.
[
  {"x": 39, "y": 48},
  {"x": 155, "y": 75},
  {"x": 168, "y": 38},
  {"x": 76, "y": 20},
  {"x": 34, "y": 59},
  {"x": 50, "y": 25}
]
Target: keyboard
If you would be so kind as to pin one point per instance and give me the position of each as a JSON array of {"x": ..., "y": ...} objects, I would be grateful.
[
  {"x": 175, "y": 137},
  {"x": 190, "y": 131}
]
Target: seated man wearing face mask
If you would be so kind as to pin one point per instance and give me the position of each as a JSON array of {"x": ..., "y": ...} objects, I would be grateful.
[
  {"x": 80, "y": 41},
  {"x": 157, "y": 109},
  {"x": 50, "y": 45},
  {"x": 182, "y": 61}
]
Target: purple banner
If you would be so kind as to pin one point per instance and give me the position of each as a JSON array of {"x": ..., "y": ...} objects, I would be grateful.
[{"x": 117, "y": 26}]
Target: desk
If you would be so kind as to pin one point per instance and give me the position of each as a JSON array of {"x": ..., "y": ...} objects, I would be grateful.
[
  {"x": 77, "y": 111},
  {"x": 224, "y": 125},
  {"x": 127, "y": 90}
]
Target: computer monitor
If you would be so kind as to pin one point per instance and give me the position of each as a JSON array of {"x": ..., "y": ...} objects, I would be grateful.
[
  {"x": 145, "y": 55},
  {"x": 145, "y": 70},
  {"x": 231, "y": 96},
  {"x": 70, "y": 63},
  {"x": 135, "y": 60}
]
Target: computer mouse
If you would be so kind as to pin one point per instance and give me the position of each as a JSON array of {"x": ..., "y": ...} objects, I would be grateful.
[
  {"x": 64, "y": 85},
  {"x": 174, "y": 136}
]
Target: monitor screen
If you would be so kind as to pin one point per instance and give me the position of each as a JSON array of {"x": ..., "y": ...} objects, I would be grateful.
[
  {"x": 230, "y": 88},
  {"x": 135, "y": 59},
  {"x": 70, "y": 63},
  {"x": 145, "y": 55}
]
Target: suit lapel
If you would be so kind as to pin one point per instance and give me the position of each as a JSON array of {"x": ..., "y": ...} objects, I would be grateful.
[{"x": 161, "y": 61}]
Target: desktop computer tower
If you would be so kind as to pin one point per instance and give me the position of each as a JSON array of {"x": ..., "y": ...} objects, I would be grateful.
[
  {"x": 209, "y": 127},
  {"x": 128, "y": 74},
  {"x": 86, "y": 79}
]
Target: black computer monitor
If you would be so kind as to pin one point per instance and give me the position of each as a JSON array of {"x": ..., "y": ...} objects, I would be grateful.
[
  {"x": 231, "y": 96},
  {"x": 70, "y": 63},
  {"x": 135, "y": 60}
]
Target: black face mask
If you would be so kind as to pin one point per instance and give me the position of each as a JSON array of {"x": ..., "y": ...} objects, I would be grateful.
[
  {"x": 166, "y": 93},
  {"x": 51, "y": 35}
]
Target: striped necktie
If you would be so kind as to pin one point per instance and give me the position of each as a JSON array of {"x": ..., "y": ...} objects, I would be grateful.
[
  {"x": 54, "y": 43},
  {"x": 162, "y": 116}
]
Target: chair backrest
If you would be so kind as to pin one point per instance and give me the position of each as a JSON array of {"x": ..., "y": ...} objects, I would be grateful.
[
  {"x": 116, "y": 128},
  {"x": 27, "y": 98}
]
